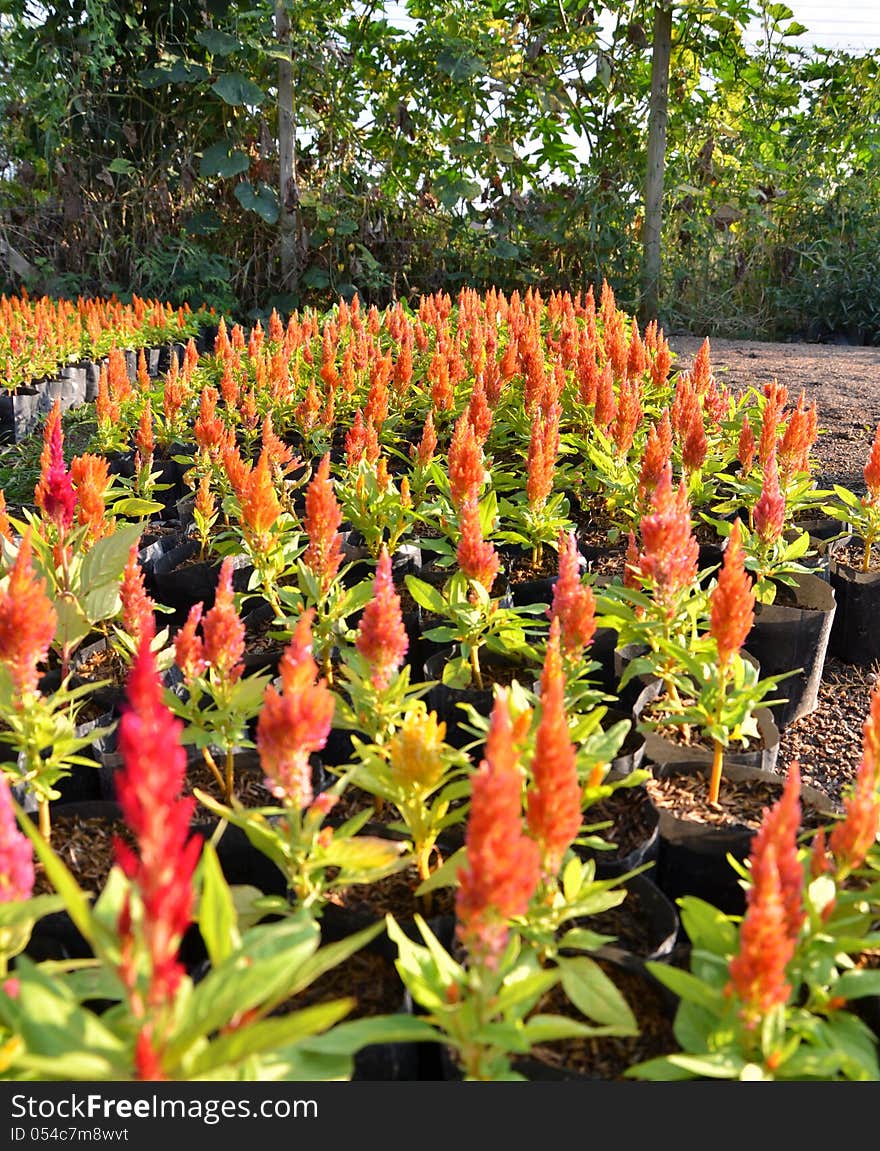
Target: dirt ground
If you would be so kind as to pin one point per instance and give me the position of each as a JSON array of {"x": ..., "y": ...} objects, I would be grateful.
[{"x": 845, "y": 382}]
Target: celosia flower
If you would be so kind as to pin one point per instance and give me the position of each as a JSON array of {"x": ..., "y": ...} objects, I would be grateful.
[
  {"x": 683, "y": 403},
  {"x": 775, "y": 397},
  {"x": 236, "y": 468},
  {"x": 27, "y": 623},
  {"x": 503, "y": 864},
  {"x": 655, "y": 459},
  {"x": 852, "y": 837},
  {"x": 16, "y": 852},
  {"x": 587, "y": 371},
  {"x": 769, "y": 511},
  {"x": 745, "y": 450},
  {"x": 628, "y": 415},
  {"x": 54, "y": 494},
  {"x": 631, "y": 569},
  {"x": 321, "y": 521},
  {"x": 424, "y": 453},
  {"x": 799, "y": 437},
  {"x": 465, "y": 463},
  {"x": 476, "y": 556},
  {"x": 90, "y": 475},
  {"x": 162, "y": 862},
  {"x": 872, "y": 468},
  {"x": 189, "y": 649},
  {"x": 260, "y": 507},
  {"x": 554, "y": 800},
  {"x": 223, "y": 629},
  {"x": 415, "y": 751},
  {"x": 479, "y": 413},
  {"x": 138, "y": 608},
  {"x": 381, "y": 636},
  {"x": 208, "y": 428},
  {"x": 574, "y": 603},
  {"x": 770, "y": 927},
  {"x": 670, "y": 551},
  {"x": 294, "y": 722},
  {"x": 606, "y": 405},
  {"x": 781, "y": 825},
  {"x": 636, "y": 361},
  {"x": 282, "y": 458},
  {"x": 694, "y": 445},
  {"x": 541, "y": 463},
  {"x": 355, "y": 441},
  {"x": 732, "y": 602},
  {"x": 5, "y": 525},
  {"x": 205, "y": 503},
  {"x": 145, "y": 441}
]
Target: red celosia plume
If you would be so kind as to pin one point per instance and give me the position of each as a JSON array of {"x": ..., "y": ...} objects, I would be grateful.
[
  {"x": 295, "y": 721},
  {"x": 161, "y": 864},
  {"x": 732, "y": 602},
  {"x": 27, "y": 623},
  {"x": 381, "y": 636},
  {"x": 554, "y": 800},
  {"x": 503, "y": 864},
  {"x": 323, "y": 515},
  {"x": 574, "y": 603},
  {"x": 769, "y": 931}
]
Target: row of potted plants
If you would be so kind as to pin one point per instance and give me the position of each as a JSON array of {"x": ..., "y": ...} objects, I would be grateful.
[{"x": 678, "y": 630}]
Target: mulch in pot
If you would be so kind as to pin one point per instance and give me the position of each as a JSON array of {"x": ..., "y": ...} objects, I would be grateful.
[
  {"x": 633, "y": 831},
  {"x": 606, "y": 1057}
]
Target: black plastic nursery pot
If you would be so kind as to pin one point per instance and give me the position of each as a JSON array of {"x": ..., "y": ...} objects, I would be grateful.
[
  {"x": 794, "y": 637},
  {"x": 445, "y": 700},
  {"x": 693, "y": 852},
  {"x": 645, "y": 925},
  {"x": 20, "y": 412},
  {"x": 855, "y": 632},
  {"x": 179, "y": 579},
  {"x": 631, "y": 837}
]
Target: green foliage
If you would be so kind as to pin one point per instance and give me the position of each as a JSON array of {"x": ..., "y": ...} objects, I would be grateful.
[{"x": 469, "y": 144}]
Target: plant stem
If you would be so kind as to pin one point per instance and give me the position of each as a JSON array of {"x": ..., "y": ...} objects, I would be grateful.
[
  {"x": 230, "y": 775},
  {"x": 217, "y": 773},
  {"x": 715, "y": 777},
  {"x": 867, "y": 560},
  {"x": 475, "y": 668},
  {"x": 44, "y": 819}
]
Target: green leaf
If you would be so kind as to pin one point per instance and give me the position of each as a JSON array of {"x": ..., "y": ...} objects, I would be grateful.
[
  {"x": 257, "y": 971},
  {"x": 53, "y": 1026},
  {"x": 426, "y": 595},
  {"x": 134, "y": 507},
  {"x": 316, "y": 278},
  {"x": 120, "y": 167},
  {"x": 596, "y": 995},
  {"x": 364, "y": 857},
  {"x": 223, "y": 159},
  {"x": 263, "y": 200},
  {"x": 216, "y": 915},
  {"x": 232, "y": 1048},
  {"x": 185, "y": 72},
  {"x": 348, "y": 1037},
  {"x": 106, "y": 561},
  {"x": 218, "y": 43},
  {"x": 236, "y": 90}
]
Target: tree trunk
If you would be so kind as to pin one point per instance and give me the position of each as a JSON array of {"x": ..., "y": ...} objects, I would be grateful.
[
  {"x": 288, "y": 220},
  {"x": 657, "y": 118}
]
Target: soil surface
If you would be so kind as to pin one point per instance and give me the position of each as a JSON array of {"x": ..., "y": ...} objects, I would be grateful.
[{"x": 845, "y": 383}]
